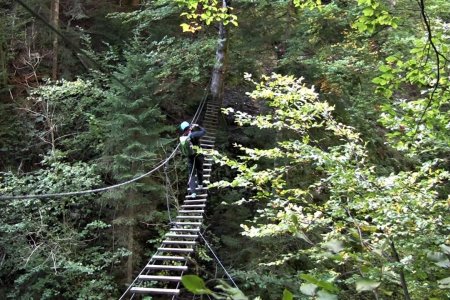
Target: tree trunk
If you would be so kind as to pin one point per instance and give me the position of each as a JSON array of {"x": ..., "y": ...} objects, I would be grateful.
[
  {"x": 4, "y": 69},
  {"x": 217, "y": 80},
  {"x": 400, "y": 269},
  {"x": 55, "y": 23},
  {"x": 135, "y": 2},
  {"x": 130, "y": 242}
]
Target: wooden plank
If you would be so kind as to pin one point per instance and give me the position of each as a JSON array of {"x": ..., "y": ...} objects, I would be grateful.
[
  {"x": 193, "y": 206},
  {"x": 195, "y": 201},
  {"x": 183, "y": 236},
  {"x": 189, "y": 217},
  {"x": 160, "y": 278},
  {"x": 176, "y": 250},
  {"x": 198, "y": 196},
  {"x": 185, "y": 229},
  {"x": 207, "y": 146},
  {"x": 166, "y": 267},
  {"x": 176, "y": 242},
  {"x": 168, "y": 257},
  {"x": 194, "y": 211},
  {"x": 141, "y": 290},
  {"x": 188, "y": 223}
]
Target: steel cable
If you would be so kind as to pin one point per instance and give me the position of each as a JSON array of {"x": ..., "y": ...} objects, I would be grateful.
[
  {"x": 218, "y": 260},
  {"x": 89, "y": 191}
]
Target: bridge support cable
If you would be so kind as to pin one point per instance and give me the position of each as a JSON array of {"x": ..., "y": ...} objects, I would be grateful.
[
  {"x": 107, "y": 188},
  {"x": 163, "y": 272},
  {"x": 218, "y": 260}
]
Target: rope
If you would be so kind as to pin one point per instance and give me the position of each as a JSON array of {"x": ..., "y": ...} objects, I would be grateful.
[
  {"x": 167, "y": 193},
  {"x": 76, "y": 193},
  {"x": 218, "y": 260},
  {"x": 82, "y": 192},
  {"x": 89, "y": 191}
]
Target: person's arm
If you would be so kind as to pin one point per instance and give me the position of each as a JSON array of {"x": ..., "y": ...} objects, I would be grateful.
[{"x": 198, "y": 133}]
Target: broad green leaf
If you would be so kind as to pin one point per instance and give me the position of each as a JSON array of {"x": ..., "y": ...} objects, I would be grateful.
[
  {"x": 334, "y": 246},
  {"x": 324, "y": 295},
  {"x": 364, "y": 284},
  {"x": 368, "y": 11},
  {"x": 234, "y": 293},
  {"x": 445, "y": 249},
  {"x": 320, "y": 283},
  {"x": 444, "y": 283},
  {"x": 195, "y": 285},
  {"x": 384, "y": 68},
  {"x": 185, "y": 27},
  {"x": 287, "y": 295},
  {"x": 308, "y": 289}
]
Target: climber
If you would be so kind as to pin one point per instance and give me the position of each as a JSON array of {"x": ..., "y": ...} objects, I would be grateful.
[{"x": 190, "y": 137}]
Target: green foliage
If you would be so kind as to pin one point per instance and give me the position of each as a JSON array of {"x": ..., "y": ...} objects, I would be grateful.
[
  {"x": 366, "y": 285},
  {"x": 418, "y": 123},
  {"x": 374, "y": 14},
  {"x": 326, "y": 202},
  {"x": 287, "y": 295},
  {"x": 136, "y": 121},
  {"x": 311, "y": 4},
  {"x": 350, "y": 227},
  {"x": 67, "y": 115},
  {"x": 48, "y": 245},
  {"x": 207, "y": 11},
  {"x": 195, "y": 285}
]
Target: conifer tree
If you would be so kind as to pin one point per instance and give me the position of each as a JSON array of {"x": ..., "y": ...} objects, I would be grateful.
[{"x": 134, "y": 140}]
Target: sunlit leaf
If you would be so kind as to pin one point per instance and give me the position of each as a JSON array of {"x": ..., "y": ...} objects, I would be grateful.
[
  {"x": 308, "y": 289},
  {"x": 366, "y": 285},
  {"x": 287, "y": 295},
  {"x": 195, "y": 285}
]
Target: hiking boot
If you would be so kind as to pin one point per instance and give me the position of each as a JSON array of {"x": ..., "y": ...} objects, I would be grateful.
[{"x": 193, "y": 195}]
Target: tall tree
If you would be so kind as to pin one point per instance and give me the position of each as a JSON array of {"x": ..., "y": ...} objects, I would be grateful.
[
  {"x": 218, "y": 73},
  {"x": 55, "y": 23}
]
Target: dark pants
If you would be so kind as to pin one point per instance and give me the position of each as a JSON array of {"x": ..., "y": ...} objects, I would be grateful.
[{"x": 195, "y": 167}]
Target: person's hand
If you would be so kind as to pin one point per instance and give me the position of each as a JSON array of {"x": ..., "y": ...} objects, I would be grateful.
[{"x": 194, "y": 125}]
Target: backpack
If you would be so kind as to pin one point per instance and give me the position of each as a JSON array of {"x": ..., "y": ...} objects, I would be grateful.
[{"x": 186, "y": 146}]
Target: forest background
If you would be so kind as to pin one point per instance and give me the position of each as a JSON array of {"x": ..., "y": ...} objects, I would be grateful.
[{"x": 334, "y": 138}]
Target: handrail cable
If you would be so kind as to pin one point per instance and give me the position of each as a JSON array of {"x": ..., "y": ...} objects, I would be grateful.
[
  {"x": 40, "y": 196},
  {"x": 167, "y": 193},
  {"x": 158, "y": 166},
  {"x": 78, "y": 50},
  {"x": 218, "y": 260},
  {"x": 89, "y": 191}
]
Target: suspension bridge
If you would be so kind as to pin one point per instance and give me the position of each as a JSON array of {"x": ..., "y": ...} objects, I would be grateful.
[{"x": 163, "y": 272}]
